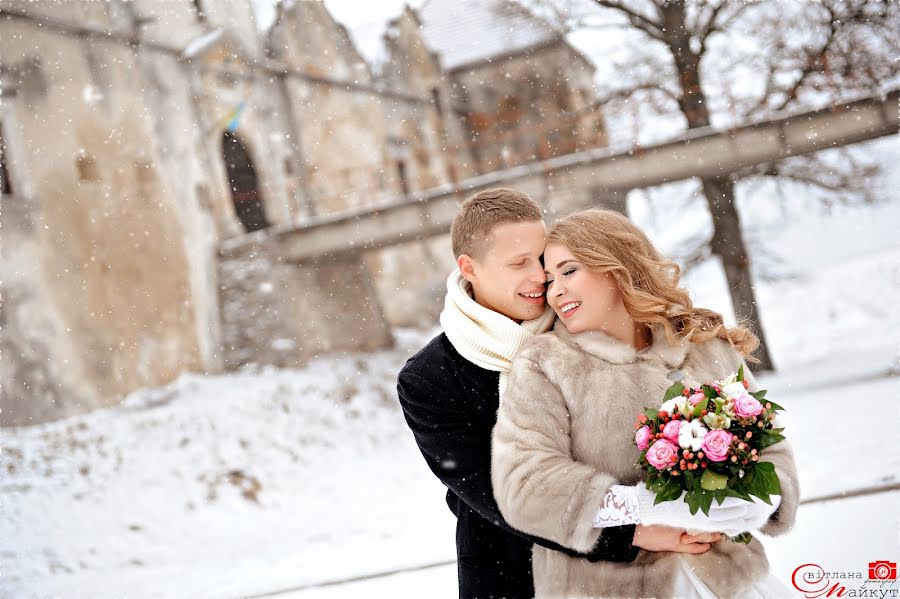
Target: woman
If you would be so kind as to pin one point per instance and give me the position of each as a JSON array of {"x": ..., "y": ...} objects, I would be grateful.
[{"x": 563, "y": 444}]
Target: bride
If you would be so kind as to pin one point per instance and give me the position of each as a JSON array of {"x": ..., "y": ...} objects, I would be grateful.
[{"x": 563, "y": 456}]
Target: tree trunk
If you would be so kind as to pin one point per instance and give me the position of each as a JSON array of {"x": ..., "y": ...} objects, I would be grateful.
[{"x": 727, "y": 241}]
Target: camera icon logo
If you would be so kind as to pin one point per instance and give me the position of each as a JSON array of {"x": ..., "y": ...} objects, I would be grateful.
[{"x": 882, "y": 570}]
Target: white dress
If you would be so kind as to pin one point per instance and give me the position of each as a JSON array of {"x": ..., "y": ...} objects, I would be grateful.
[
  {"x": 618, "y": 510},
  {"x": 689, "y": 586}
]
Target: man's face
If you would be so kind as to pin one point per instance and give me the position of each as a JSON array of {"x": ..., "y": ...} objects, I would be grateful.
[{"x": 509, "y": 277}]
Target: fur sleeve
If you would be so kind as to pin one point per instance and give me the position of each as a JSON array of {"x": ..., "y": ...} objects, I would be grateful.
[
  {"x": 539, "y": 487},
  {"x": 782, "y": 456}
]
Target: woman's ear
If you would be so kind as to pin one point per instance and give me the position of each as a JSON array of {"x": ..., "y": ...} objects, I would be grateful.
[{"x": 467, "y": 268}]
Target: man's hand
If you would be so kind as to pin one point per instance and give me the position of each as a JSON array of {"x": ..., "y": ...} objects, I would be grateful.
[{"x": 666, "y": 538}]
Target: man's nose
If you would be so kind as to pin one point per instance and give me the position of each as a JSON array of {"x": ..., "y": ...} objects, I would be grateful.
[{"x": 536, "y": 275}]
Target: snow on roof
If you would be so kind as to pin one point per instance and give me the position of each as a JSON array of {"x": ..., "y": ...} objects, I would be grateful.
[
  {"x": 468, "y": 31},
  {"x": 461, "y": 31}
]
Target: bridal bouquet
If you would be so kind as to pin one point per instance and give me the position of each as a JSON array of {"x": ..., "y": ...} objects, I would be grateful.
[{"x": 706, "y": 442}]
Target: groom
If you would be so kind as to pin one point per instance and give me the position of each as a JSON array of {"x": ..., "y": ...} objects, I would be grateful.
[{"x": 450, "y": 391}]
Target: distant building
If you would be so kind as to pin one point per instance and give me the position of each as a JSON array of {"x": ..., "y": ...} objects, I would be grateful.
[{"x": 136, "y": 138}]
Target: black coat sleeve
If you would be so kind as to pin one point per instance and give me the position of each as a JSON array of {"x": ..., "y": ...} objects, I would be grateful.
[{"x": 460, "y": 457}]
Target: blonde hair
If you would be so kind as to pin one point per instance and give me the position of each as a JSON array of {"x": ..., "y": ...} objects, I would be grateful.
[
  {"x": 606, "y": 241},
  {"x": 484, "y": 211}
]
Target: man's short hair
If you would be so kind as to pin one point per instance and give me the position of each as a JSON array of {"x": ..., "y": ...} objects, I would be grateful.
[{"x": 484, "y": 211}]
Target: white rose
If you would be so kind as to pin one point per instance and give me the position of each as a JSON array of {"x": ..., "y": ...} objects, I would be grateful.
[
  {"x": 680, "y": 403},
  {"x": 734, "y": 390},
  {"x": 727, "y": 381}
]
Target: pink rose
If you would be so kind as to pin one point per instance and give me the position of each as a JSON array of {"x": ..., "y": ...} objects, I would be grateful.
[
  {"x": 747, "y": 406},
  {"x": 662, "y": 454},
  {"x": 716, "y": 444},
  {"x": 642, "y": 437},
  {"x": 697, "y": 398},
  {"x": 671, "y": 430}
]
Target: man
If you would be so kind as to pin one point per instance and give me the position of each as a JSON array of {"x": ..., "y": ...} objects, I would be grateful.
[{"x": 450, "y": 391}]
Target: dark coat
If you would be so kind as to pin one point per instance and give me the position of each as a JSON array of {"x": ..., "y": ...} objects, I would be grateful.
[{"x": 451, "y": 406}]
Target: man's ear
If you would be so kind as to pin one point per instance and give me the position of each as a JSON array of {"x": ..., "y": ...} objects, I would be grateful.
[{"x": 467, "y": 268}]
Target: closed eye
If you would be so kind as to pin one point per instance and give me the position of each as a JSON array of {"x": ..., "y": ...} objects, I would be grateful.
[{"x": 565, "y": 274}]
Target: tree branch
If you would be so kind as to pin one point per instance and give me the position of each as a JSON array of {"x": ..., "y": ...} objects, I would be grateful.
[
  {"x": 712, "y": 27},
  {"x": 625, "y": 93},
  {"x": 645, "y": 24}
]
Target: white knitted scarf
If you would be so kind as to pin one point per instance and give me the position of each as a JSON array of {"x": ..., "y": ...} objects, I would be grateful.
[{"x": 486, "y": 338}]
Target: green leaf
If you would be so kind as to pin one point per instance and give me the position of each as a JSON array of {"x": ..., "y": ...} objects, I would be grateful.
[
  {"x": 689, "y": 480},
  {"x": 763, "y": 481},
  {"x": 711, "y": 481},
  {"x": 766, "y": 478},
  {"x": 760, "y": 395},
  {"x": 698, "y": 499},
  {"x": 721, "y": 494},
  {"x": 674, "y": 391},
  {"x": 719, "y": 404},
  {"x": 740, "y": 373},
  {"x": 706, "y": 499},
  {"x": 669, "y": 491},
  {"x": 775, "y": 406},
  {"x": 708, "y": 391},
  {"x": 692, "y": 498},
  {"x": 656, "y": 484},
  {"x": 767, "y": 438},
  {"x": 698, "y": 409}
]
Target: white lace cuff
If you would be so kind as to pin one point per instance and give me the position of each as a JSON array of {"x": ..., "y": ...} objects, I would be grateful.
[{"x": 619, "y": 507}]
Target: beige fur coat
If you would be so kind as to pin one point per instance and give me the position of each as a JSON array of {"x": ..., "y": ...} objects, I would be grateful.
[{"x": 564, "y": 434}]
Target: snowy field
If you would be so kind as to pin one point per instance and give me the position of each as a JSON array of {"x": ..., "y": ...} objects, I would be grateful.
[{"x": 268, "y": 480}]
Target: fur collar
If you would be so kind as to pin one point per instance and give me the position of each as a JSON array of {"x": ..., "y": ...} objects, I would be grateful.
[{"x": 614, "y": 351}]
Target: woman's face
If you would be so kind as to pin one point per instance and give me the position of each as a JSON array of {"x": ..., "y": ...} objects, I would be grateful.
[{"x": 583, "y": 299}]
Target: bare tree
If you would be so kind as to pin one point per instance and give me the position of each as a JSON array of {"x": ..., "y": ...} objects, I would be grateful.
[{"x": 812, "y": 53}]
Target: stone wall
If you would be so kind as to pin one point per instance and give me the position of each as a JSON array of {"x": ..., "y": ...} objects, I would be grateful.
[
  {"x": 99, "y": 289},
  {"x": 282, "y": 313}
]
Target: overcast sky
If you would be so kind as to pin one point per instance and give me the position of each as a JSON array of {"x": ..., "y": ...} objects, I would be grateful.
[{"x": 352, "y": 13}]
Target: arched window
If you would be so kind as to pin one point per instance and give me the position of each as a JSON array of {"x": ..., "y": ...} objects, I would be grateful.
[{"x": 243, "y": 183}]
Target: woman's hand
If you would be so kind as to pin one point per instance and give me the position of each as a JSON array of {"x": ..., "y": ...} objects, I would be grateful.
[{"x": 665, "y": 538}]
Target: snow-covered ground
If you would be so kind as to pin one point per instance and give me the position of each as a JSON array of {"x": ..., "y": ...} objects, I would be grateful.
[{"x": 249, "y": 483}]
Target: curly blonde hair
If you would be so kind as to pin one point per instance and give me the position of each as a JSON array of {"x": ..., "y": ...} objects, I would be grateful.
[{"x": 606, "y": 241}]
